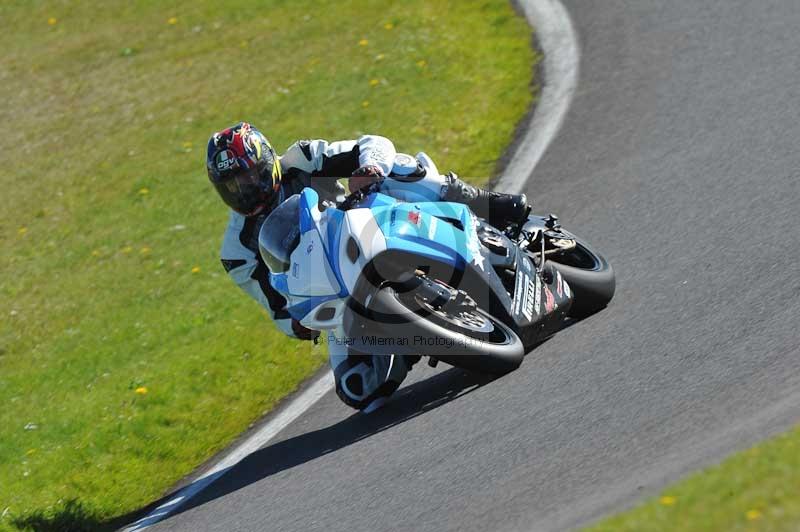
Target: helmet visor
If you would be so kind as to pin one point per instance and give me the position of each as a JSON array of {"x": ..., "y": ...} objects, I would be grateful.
[{"x": 245, "y": 191}]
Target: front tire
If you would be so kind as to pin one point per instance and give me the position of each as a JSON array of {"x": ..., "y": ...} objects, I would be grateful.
[
  {"x": 459, "y": 334},
  {"x": 589, "y": 276}
]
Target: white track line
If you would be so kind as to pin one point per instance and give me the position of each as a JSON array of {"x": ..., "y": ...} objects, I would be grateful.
[
  {"x": 294, "y": 409},
  {"x": 559, "y": 43}
]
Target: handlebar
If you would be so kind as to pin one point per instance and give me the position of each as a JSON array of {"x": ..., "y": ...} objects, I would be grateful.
[{"x": 354, "y": 198}]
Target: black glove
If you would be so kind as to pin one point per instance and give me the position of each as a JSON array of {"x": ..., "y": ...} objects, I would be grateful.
[{"x": 364, "y": 177}]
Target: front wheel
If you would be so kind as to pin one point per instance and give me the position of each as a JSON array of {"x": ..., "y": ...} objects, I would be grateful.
[
  {"x": 444, "y": 323},
  {"x": 589, "y": 276},
  {"x": 497, "y": 349}
]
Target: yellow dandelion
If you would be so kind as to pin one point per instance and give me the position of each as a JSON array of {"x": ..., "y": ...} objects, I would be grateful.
[
  {"x": 144, "y": 191},
  {"x": 373, "y": 82},
  {"x": 196, "y": 269},
  {"x": 22, "y": 230},
  {"x": 126, "y": 249},
  {"x": 363, "y": 42},
  {"x": 379, "y": 57},
  {"x": 388, "y": 26},
  {"x": 141, "y": 390},
  {"x": 752, "y": 515},
  {"x": 365, "y": 103},
  {"x": 145, "y": 250},
  {"x": 52, "y": 21},
  {"x": 667, "y": 500},
  {"x": 172, "y": 21},
  {"x": 422, "y": 63}
]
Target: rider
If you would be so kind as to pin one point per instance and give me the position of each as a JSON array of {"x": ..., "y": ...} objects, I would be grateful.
[{"x": 252, "y": 180}]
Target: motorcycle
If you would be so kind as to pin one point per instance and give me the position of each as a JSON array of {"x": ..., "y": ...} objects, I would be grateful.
[{"x": 430, "y": 278}]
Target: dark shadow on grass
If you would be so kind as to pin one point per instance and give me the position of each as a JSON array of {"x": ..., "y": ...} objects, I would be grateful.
[
  {"x": 72, "y": 516},
  {"x": 408, "y": 402}
]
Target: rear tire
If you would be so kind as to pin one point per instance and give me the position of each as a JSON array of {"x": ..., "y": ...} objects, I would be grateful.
[{"x": 589, "y": 276}]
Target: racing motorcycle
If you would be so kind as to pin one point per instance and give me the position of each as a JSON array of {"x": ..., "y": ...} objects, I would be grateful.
[{"x": 429, "y": 278}]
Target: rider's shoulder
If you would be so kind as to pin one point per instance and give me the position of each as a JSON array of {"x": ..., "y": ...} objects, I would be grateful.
[{"x": 302, "y": 151}]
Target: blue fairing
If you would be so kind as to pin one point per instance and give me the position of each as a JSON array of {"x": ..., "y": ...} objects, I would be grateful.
[
  {"x": 310, "y": 217},
  {"x": 279, "y": 282},
  {"x": 441, "y": 231},
  {"x": 309, "y": 210},
  {"x": 332, "y": 241},
  {"x": 426, "y": 228},
  {"x": 374, "y": 201}
]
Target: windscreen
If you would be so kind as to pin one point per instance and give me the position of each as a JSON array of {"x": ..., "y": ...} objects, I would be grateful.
[{"x": 280, "y": 235}]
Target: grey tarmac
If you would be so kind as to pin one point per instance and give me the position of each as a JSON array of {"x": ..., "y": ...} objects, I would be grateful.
[{"x": 679, "y": 159}]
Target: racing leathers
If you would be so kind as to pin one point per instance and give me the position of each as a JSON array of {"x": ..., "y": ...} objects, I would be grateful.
[{"x": 363, "y": 381}]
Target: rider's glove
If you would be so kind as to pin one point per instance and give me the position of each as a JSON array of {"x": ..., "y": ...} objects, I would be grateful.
[{"x": 364, "y": 177}]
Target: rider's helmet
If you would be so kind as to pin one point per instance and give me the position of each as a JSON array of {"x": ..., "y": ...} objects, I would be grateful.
[{"x": 243, "y": 168}]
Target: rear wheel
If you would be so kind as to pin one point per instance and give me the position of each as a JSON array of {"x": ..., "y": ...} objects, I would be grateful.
[{"x": 589, "y": 275}]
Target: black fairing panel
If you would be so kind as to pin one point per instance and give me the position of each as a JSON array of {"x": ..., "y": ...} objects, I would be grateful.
[{"x": 540, "y": 301}]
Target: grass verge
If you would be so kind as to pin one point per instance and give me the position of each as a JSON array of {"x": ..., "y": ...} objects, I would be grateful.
[
  {"x": 757, "y": 489},
  {"x": 126, "y": 355}
]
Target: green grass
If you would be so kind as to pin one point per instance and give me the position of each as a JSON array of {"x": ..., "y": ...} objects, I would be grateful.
[
  {"x": 109, "y": 232},
  {"x": 757, "y": 489}
]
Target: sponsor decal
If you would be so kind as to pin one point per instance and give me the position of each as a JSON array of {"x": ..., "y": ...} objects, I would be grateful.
[
  {"x": 520, "y": 291},
  {"x": 474, "y": 245},
  {"x": 295, "y": 270},
  {"x": 550, "y": 301},
  {"x": 530, "y": 298},
  {"x": 310, "y": 248},
  {"x": 225, "y": 160},
  {"x": 537, "y": 303},
  {"x": 413, "y": 217}
]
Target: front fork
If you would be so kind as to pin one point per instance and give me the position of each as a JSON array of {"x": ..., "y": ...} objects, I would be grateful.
[{"x": 542, "y": 237}]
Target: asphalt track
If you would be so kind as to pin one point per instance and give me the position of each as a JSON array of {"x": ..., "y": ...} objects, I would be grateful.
[{"x": 679, "y": 159}]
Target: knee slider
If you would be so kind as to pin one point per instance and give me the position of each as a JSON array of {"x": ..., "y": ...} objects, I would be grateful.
[{"x": 353, "y": 377}]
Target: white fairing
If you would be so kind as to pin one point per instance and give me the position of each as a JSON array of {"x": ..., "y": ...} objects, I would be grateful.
[
  {"x": 310, "y": 274},
  {"x": 427, "y": 163},
  {"x": 334, "y": 319},
  {"x": 361, "y": 225},
  {"x": 431, "y": 187}
]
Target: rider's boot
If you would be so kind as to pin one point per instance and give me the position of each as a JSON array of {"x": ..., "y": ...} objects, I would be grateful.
[{"x": 497, "y": 208}]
